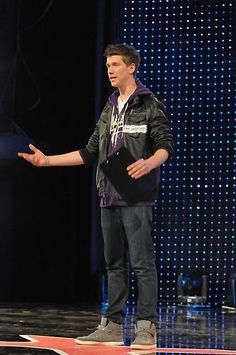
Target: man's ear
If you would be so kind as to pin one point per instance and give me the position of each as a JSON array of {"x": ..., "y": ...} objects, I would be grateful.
[{"x": 132, "y": 68}]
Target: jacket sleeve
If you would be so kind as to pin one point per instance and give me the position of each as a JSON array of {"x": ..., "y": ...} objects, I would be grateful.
[
  {"x": 160, "y": 130},
  {"x": 89, "y": 154}
]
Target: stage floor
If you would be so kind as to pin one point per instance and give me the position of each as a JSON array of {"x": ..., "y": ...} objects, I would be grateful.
[{"x": 28, "y": 329}]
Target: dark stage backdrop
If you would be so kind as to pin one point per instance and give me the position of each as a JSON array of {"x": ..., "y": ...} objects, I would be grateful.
[{"x": 48, "y": 54}]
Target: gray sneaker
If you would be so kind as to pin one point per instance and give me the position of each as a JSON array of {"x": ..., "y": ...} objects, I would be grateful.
[
  {"x": 107, "y": 333},
  {"x": 145, "y": 335}
]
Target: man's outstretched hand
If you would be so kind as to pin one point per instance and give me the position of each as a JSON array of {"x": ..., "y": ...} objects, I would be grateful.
[{"x": 37, "y": 158}]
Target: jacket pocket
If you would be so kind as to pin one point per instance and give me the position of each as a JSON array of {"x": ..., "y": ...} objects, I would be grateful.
[{"x": 135, "y": 125}]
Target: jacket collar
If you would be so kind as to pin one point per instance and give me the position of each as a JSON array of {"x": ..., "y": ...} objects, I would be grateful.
[{"x": 140, "y": 91}]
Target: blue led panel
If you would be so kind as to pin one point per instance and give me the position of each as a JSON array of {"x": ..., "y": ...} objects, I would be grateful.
[{"x": 187, "y": 59}]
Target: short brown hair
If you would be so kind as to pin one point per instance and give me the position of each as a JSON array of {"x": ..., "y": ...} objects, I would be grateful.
[{"x": 129, "y": 53}]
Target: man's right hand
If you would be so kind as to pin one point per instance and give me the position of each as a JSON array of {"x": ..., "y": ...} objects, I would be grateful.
[{"x": 37, "y": 158}]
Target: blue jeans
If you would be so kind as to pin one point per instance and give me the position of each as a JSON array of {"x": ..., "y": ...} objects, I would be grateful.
[{"x": 127, "y": 234}]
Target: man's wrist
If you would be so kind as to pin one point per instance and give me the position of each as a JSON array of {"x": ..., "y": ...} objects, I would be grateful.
[{"x": 46, "y": 160}]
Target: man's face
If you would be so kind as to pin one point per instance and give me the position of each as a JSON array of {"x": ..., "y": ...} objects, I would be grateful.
[{"x": 118, "y": 72}]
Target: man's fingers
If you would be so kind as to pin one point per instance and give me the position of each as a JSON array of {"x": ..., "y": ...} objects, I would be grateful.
[
  {"x": 24, "y": 155},
  {"x": 33, "y": 148},
  {"x": 138, "y": 169},
  {"x": 138, "y": 173},
  {"x": 134, "y": 165}
]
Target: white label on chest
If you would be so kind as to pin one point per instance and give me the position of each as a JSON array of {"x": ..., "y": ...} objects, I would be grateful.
[{"x": 135, "y": 128}]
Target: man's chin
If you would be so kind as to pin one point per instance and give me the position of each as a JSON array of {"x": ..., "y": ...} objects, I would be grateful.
[{"x": 113, "y": 84}]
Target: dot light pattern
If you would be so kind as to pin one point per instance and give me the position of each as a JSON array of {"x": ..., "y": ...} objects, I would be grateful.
[{"x": 188, "y": 59}]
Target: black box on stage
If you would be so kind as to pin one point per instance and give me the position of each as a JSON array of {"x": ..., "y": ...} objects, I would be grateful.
[
  {"x": 231, "y": 295},
  {"x": 192, "y": 287}
]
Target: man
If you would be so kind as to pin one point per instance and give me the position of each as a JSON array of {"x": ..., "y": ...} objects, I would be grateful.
[{"x": 134, "y": 118}]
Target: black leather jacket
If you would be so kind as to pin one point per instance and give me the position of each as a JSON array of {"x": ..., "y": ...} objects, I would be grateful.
[{"x": 144, "y": 109}]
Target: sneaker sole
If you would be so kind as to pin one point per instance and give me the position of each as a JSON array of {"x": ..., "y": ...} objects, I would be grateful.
[
  {"x": 143, "y": 347},
  {"x": 90, "y": 342}
]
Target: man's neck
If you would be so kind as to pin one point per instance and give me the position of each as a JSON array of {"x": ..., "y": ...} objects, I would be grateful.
[{"x": 127, "y": 91}]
